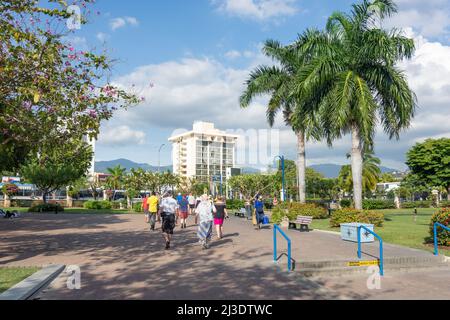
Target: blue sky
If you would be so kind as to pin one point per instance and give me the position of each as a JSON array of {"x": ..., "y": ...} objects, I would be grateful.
[{"x": 197, "y": 54}]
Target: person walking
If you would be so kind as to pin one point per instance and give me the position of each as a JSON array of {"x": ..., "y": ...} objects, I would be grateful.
[
  {"x": 191, "y": 200},
  {"x": 259, "y": 211},
  {"x": 168, "y": 211},
  {"x": 184, "y": 211},
  {"x": 248, "y": 208},
  {"x": 275, "y": 201},
  {"x": 197, "y": 202},
  {"x": 204, "y": 211},
  {"x": 152, "y": 203},
  {"x": 220, "y": 215},
  {"x": 145, "y": 208}
]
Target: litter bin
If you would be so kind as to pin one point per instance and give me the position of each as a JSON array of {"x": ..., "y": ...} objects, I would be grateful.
[{"x": 349, "y": 232}]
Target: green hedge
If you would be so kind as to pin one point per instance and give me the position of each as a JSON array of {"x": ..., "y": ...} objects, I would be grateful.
[
  {"x": 351, "y": 215},
  {"x": 416, "y": 204},
  {"x": 97, "y": 205},
  {"x": 137, "y": 207},
  {"x": 46, "y": 207},
  {"x": 235, "y": 204},
  {"x": 346, "y": 203},
  {"x": 444, "y": 204},
  {"x": 294, "y": 209},
  {"x": 373, "y": 204},
  {"x": 443, "y": 217}
]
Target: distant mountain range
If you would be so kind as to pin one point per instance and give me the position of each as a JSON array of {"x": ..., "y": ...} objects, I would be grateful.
[
  {"x": 102, "y": 166},
  {"x": 328, "y": 170}
]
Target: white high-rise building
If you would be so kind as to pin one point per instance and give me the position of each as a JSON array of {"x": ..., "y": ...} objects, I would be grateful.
[{"x": 204, "y": 153}]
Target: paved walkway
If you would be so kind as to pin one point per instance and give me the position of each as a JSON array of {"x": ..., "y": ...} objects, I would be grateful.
[{"x": 121, "y": 259}]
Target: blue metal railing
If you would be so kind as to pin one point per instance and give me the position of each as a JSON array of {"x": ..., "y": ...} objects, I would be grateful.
[
  {"x": 437, "y": 224},
  {"x": 381, "y": 246},
  {"x": 276, "y": 229}
]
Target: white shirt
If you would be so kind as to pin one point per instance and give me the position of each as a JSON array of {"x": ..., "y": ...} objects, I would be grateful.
[
  {"x": 191, "y": 200},
  {"x": 169, "y": 205},
  {"x": 205, "y": 211}
]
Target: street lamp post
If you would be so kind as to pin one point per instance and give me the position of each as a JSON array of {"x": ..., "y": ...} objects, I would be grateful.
[
  {"x": 283, "y": 177},
  {"x": 159, "y": 157}
]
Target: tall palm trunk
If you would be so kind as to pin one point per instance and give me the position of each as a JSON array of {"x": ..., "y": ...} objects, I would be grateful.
[
  {"x": 357, "y": 164},
  {"x": 301, "y": 166}
]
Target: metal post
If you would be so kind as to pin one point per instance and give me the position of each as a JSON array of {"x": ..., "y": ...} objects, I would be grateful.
[
  {"x": 159, "y": 157},
  {"x": 381, "y": 258},
  {"x": 359, "y": 242},
  {"x": 284, "y": 181},
  {"x": 435, "y": 240},
  {"x": 275, "y": 243},
  {"x": 289, "y": 256}
]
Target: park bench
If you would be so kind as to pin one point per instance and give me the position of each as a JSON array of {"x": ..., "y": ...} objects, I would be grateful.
[
  {"x": 241, "y": 213},
  {"x": 303, "y": 221}
]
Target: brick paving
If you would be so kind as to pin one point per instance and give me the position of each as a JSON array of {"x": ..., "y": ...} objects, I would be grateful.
[{"x": 120, "y": 258}]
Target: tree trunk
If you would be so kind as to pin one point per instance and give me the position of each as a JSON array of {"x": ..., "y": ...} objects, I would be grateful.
[
  {"x": 301, "y": 166},
  {"x": 448, "y": 193},
  {"x": 357, "y": 162},
  {"x": 44, "y": 197},
  {"x": 6, "y": 201},
  {"x": 128, "y": 202}
]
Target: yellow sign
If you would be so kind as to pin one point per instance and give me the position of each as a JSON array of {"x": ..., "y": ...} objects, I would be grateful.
[{"x": 363, "y": 263}]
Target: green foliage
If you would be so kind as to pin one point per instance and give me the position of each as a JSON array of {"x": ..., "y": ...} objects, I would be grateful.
[
  {"x": 10, "y": 189},
  {"x": 348, "y": 215},
  {"x": 137, "y": 207},
  {"x": 252, "y": 184},
  {"x": 46, "y": 207},
  {"x": 445, "y": 204},
  {"x": 49, "y": 90},
  {"x": 370, "y": 175},
  {"x": 416, "y": 204},
  {"x": 443, "y": 217},
  {"x": 306, "y": 209},
  {"x": 235, "y": 204},
  {"x": 430, "y": 161},
  {"x": 58, "y": 166},
  {"x": 97, "y": 205},
  {"x": 278, "y": 213},
  {"x": 372, "y": 204},
  {"x": 346, "y": 203}
]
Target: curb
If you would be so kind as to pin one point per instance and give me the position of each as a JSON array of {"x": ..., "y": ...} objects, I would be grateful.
[{"x": 33, "y": 284}]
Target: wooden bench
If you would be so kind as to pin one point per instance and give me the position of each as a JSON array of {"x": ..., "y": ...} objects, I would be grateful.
[
  {"x": 241, "y": 213},
  {"x": 303, "y": 221}
]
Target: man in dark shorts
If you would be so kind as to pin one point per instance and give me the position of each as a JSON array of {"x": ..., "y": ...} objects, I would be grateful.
[{"x": 168, "y": 210}]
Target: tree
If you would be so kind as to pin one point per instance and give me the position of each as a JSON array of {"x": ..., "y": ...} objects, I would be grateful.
[
  {"x": 430, "y": 162},
  {"x": 58, "y": 166},
  {"x": 250, "y": 185},
  {"x": 353, "y": 74},
  {"x": 49, "y": 90},
  {"x": 370, "y": 174},
  {"x": 279, "y": 81},
  {"x": 115, "y": 181}
]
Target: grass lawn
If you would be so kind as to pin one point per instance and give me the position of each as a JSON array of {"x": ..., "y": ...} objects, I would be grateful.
[
  {"x": 9, "y": 277},
  {"x": 399, "y": 228},
  {"x": 79, "y": 211}
]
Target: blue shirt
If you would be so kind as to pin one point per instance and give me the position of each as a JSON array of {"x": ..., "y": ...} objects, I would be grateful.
[{"x": 259, "y": 206}]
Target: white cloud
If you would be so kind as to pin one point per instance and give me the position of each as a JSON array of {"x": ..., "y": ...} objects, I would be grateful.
[
  {"x": 258, "y": 9},
  {"x": 121, "y": 136},
  {"x": 428, "y": 18},
  {"x": 233, "y": 54},
  {"x": 121, "y": 22}
]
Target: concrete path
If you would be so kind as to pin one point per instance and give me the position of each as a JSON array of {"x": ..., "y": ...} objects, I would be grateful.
[{"x": 120, "y": 258}]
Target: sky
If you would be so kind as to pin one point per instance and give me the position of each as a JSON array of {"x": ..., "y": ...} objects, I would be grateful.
[{"x": 190, "y": 60}]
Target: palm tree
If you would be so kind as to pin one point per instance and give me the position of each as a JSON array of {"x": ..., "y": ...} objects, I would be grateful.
[
  {"x": 371, "y": 173},
  {"x": 279, "y": 82},
  {"x": 116, "y": 178},
  {"x": 353, "y": 73}
]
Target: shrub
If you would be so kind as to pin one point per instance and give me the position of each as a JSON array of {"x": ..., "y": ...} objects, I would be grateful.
[
  {"x": 372, "y": 204},
  {"x": 346, "y": 203},
  {"x": 278, "y": 213},
  {"x": 97, "y": 205},
  {"x": 308, "y": 209},
  {"x": 46, "y": 207},
  {"x": 444, "y": 204},
  {"x": 416, "y": 204},
  {"x": 348, "y": 215},
  {"x": 235, "y": 204},
  {"x": 137, "y": 207},
  {"x": 443, "y": 217}
]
